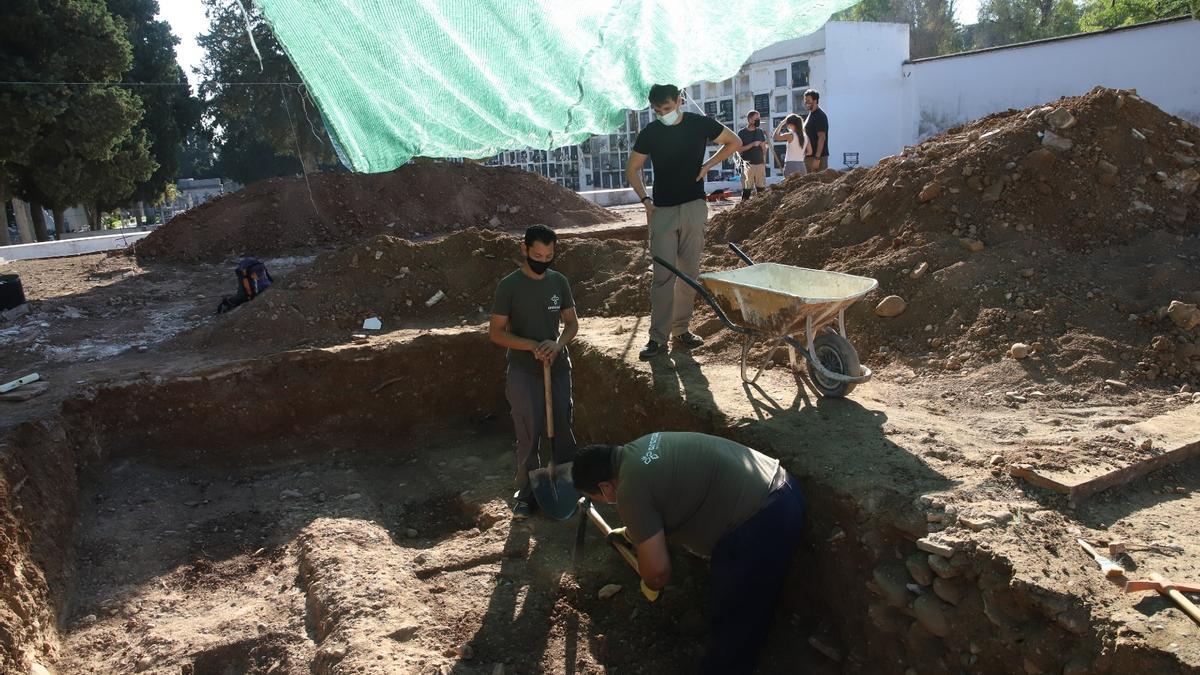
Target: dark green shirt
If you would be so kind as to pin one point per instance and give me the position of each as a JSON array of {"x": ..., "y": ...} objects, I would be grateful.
[
  {"x": 695, "y": 487},
  {"x": 534, "y": 308}
]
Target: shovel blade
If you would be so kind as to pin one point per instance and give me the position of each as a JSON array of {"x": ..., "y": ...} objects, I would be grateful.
[{"x": 554, "y": 491}]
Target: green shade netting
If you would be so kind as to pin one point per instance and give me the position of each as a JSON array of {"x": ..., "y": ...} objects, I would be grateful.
[{"x": 396, "y": 79}]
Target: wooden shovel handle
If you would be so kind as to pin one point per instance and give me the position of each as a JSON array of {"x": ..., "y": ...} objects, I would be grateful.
[
  {"x": 1185, "y": 604},
  {"x": 549, "y": 400}
]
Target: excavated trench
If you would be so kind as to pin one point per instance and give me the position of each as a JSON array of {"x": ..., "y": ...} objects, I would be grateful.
[{"x": 343, "y": 510}]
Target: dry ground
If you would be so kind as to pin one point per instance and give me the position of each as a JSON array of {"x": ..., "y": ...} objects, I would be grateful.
[{"x": 301, "y": 563}]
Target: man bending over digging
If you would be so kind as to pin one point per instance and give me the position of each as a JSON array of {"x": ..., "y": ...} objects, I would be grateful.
[
  {"x": 722, "y": 501},
  {"x": 526, "y": 313}
]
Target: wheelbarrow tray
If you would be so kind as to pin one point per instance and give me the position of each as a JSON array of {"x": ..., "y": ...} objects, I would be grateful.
[{"x": 777, "y": 300}]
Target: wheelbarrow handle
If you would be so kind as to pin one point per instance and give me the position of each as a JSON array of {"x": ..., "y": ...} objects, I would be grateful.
[
  {"x": 740, "y": 253},
  {"x": 699, "y": 288}
]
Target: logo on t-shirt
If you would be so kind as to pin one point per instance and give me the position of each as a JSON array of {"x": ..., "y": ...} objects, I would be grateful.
[
  {"x": 651, "y": 455},
  {"x": 555, "y": 303}
]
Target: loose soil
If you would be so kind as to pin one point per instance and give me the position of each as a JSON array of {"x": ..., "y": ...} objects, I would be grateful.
[
  {"x": 285, "y": 215},
  {"x": 394, "y": 280},
  {"x": 1076, "y": 252}
]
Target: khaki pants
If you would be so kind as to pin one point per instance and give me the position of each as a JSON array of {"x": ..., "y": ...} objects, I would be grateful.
[
  {"x": 815, "y": 164},
  {"x": 754, "y": 176},
  {"x": 676, "y": 236}
]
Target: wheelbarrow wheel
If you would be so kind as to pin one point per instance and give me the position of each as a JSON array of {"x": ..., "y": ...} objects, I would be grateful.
[{"x": 839, "y": 356}]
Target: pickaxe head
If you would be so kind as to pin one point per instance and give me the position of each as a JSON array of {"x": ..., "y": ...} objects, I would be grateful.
[{"x": 1159, "y": 584}]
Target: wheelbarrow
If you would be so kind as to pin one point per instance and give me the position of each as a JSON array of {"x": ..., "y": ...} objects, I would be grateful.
[{"x": 776, "y": 303}]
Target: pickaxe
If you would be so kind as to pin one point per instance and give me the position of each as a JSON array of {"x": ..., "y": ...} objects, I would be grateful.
[
  {"x": 1168, "y": 588},
  {"x": 588, "y": 512}
]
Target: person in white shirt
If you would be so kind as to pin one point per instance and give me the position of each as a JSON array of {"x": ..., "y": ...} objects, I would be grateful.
[{"x": 791, "y": 130}]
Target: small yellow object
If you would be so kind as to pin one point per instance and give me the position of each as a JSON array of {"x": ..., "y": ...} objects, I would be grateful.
[{"x": 650, "y": 593}]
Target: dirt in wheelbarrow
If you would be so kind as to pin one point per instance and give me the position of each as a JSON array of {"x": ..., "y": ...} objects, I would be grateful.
[{"x": 1069, "y": 228}]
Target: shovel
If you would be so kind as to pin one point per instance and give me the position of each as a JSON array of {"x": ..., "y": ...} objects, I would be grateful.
[{"x": 552, "y": 486}]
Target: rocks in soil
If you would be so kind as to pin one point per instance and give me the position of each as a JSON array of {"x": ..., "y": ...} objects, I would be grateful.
[
  {"x": 1184, "y": 315},
  {"x": 892, "y": 305},
  {"x": 608, "y": 591},
  {"x": 1061, "y": 119},
  {"x": 1019, "y": 350},
  {"x": 931, "y": 613},
  {"x": 918, "y": 568},
  {"x": 972, "y": 245},
  {"x": 1053, "y": 140}
]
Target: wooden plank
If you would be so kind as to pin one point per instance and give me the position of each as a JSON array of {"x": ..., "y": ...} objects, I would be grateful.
[{"x": 1176, "y": 433}]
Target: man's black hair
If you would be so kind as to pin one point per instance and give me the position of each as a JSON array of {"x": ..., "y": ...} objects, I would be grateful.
[
  {"x": 663, "y": 93},
  {"x": 593, "y": 466},
  {"x": 750, "y": 114},
  {"x": 816, "y": 95},
  {"x": 539, "y": 233}
]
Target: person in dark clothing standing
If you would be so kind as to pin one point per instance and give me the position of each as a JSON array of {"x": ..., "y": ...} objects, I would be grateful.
[
  {"x": 718, "y": 499},
  {"x": 754, "y": 155},
  {"x": 676, "y": 143},
  {"x": 530, "y": 303},
  {"x": 817, "y": 129}
]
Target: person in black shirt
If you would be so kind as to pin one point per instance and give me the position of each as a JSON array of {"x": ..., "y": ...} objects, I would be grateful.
[
  {"x": 817, "y": 129},
  {"x": 754, "y": 156},
  {"x": 675, "y": 143}
]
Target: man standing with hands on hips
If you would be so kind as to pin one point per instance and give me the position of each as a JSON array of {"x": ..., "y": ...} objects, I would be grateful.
[
  {"x": 675, "y": 143},
  {"x": 817, "y": 129}
]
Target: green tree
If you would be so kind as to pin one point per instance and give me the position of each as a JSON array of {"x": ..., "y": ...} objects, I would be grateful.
[
  {"x": 282, "y": 115},
  {"x": 93, "y": 154},
  {"x": 246, "y": 157},
  {"x": 932, "y": 28},
  {"x": 1101, "y": 14},
  {"x": 197, "y": 156},
  {"x": 170, "y": 111},
  {"x": 64, "y": 142},
  {"x": 43, "y": 43},
  {"x": 1006, "y": 22}
]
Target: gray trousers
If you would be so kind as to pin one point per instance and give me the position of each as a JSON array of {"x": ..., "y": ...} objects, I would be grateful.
[
  {"x": 527, "y": 397},
  {"x": 790, "y": 168},
  {"x": 677, "y": 236}
]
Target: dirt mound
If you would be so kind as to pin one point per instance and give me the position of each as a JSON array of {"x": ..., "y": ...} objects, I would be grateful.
[
  {"x": 1069, "y": 227},
  {"x": 283, "y": 214},
  {"x": 395, "y": 279}
]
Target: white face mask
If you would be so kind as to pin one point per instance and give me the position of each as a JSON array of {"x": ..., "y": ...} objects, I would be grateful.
[{"x": 670, "y": 118}]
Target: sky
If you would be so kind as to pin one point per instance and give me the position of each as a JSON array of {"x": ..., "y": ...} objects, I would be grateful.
[
  {"x": 966, "y": 11},
  {"x": 187, "y": 21}
]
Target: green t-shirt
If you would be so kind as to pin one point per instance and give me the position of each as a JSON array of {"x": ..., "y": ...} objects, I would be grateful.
[
  {"x": 533, "y": 308},
  {"x": 695, "y": 487}
]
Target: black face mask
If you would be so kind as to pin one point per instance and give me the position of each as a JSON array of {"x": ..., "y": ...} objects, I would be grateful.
[
  {"x": 753, "y": 124},
  {"x": 538, "y": 266}
]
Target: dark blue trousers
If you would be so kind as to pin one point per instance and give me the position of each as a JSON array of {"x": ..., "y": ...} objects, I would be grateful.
[{"x": 748, "y": 568}]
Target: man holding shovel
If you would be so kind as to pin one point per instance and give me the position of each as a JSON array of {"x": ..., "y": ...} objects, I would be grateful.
[
  {"x": 529, "y": 306},
  {"x": 722, "y": 501}
]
